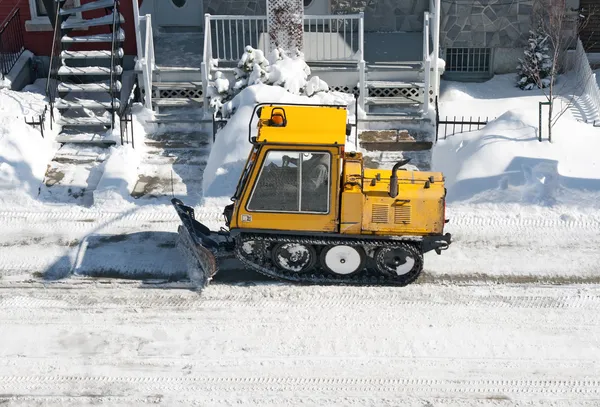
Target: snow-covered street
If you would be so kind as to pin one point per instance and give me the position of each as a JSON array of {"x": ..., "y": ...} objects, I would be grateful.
[{"x": 272, "y": 344}]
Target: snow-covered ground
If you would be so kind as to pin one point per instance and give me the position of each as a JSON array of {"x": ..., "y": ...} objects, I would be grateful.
[
  {"x": 117, "y": 323},
  {"x": 278, "y": 345}
]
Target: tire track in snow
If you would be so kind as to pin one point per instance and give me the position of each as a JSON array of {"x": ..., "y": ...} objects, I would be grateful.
[
  {"x": 512, "y": 387},
  {"x": 59, "y": 299}
]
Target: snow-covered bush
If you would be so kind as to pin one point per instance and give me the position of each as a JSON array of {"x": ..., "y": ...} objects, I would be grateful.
[
  {"x": 535, "y": 69},
  {"x": 281, "y": 69}
]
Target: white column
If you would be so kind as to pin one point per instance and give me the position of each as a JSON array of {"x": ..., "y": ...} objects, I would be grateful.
[{"x": 436, "y": 48}]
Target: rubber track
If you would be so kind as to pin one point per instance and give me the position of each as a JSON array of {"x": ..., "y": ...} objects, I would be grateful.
[
  {"x": 311, "y": 384},
  {"x": 312, "y": 278}
]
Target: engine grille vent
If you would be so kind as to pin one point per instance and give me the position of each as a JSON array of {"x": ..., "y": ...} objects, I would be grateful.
[
  {"x": 402, "y": 214},
  {"x": 380, "y": 214}
]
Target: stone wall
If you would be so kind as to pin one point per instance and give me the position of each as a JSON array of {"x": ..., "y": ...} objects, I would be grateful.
[
  {"x": 385, "y": 15},
  {"x": 486, "y": 23},
  {"x": 235, "y": 7}
]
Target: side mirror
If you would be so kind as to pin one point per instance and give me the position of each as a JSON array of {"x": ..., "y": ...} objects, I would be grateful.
[{"x": 348, "y": 129}]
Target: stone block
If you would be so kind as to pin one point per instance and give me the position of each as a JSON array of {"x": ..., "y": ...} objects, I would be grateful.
[
  {"x": 461, "y": 21},
  {"x": 463, "y": 10},
  {"x": 453, "y": 32},
  {"x": 478, "y": 39},
  {"x": 525, "y": 9},
  {"x": 449, "y": 23},
  {"x": 490, "y": 13},
  {"x": 476, "y": 21},
  {"x": 448, "y": 8}
]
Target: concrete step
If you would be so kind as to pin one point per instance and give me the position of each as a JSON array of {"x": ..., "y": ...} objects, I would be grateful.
[
  {"x": 178, "y": 118},
  {"x": 88, "y": 70},
  {"x": 396, "y": 100},
  {"x": 96, "y": 38},
  {"x": 85, "y": 121},
  {"x": 104, "y": 54},
  {"x": 88, "y": 104},
  {"x": 393, "y": 84},
  {"x": 177, "y": 85},
  {"x": 177, "y": 102},
  {"x": 94, "y": 5},
  {"x": 87, "y": 87},
  {"x": 92, "y": 139},
  {"x": 94, "y": 22}
]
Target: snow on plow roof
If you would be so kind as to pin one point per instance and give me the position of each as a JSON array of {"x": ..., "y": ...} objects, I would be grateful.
[{"x": 302, "y": 124}]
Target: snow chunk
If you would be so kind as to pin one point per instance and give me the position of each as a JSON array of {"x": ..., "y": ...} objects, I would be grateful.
[{"x": 119, "y": 178}]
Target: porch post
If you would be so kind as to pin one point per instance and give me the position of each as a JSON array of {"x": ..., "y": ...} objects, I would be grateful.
[
  {"x": 436, "y": 49},
  {"x": 285, "y": 24}
]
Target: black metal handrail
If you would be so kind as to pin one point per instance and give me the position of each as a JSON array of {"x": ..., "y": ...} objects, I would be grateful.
[
  {"x": 12, "y": 45},
  {"x": 116, "y": 27},
  {"x": 52, "y": 82}
]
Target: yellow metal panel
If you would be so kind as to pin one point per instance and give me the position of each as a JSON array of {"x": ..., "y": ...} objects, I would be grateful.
[
  {"x": 289, "y": 221},
  {"x": 416, "y": 210},
  {"x": 305, "y": 125},
  {"x": 352, "y": 197}
]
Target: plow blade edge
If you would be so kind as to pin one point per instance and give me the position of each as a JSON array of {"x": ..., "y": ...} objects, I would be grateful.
[{"x": 198, "y": 244}]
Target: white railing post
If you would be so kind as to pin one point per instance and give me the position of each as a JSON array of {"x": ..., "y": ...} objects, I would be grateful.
[
  {"x": 426, "y": 63},
  {"x": 205, "y": 66},
  {"x": 148, "y": 61},
  {"x": 436, "y": 49},
  {"x": 362, "y": 82},
  {"x": 138, "y": 34}
]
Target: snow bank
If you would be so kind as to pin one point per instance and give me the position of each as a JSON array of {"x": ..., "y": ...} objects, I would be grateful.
[
  {"x": 24, "y": 154},
  {"x": 121, "y": 169},
  {"x": 505, "y": 163},
  {"x": 231, "y": 148},
  {"x": 118, "y": 179}
]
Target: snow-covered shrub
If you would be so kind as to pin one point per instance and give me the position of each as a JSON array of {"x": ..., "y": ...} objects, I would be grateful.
[
  {"x": 281, "y": 69},
  {"x": 535, "y": 69}
]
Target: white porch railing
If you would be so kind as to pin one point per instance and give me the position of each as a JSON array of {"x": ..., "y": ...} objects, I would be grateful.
[
  {"x": 145, "y": 52},
  {"x": 431, "y": 64},
  {"x": 586, "y": 81},
  {"x": 338, "y": 38},
  {"x": 426, "y": 62}
]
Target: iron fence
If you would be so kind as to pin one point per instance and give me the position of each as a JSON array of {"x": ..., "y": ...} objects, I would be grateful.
[{"x": 11, "y": 42}]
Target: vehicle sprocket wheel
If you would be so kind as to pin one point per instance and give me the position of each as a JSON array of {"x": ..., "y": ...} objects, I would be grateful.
[
  {"x": 342, "y": 259},
  {"x": 403, "y": 262},
  {"x": 294, "y": 257}
]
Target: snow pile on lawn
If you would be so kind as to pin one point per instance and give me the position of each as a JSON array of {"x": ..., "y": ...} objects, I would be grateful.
[
  {"x": 24, "y": 154},
  {"x": 505, "y": 163},
  {"x": 231, "y": 148}
]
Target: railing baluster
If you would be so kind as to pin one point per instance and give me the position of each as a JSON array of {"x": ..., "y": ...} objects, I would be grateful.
[
  {"x": 244, "y": 34},
  {"x": 230, "y": 42}
]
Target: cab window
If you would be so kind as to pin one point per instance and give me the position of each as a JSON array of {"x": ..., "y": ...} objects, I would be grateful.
[{"x": 292, "y": 181}]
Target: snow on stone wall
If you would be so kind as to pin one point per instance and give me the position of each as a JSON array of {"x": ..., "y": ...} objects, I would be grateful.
[{"x": 285, "y": 24}]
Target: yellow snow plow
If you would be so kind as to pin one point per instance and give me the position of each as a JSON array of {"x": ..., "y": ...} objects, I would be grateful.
[{"x": 305, "y": 210}]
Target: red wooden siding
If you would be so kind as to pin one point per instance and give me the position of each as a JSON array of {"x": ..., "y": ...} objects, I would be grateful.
[{"x": 40, "y": 42}]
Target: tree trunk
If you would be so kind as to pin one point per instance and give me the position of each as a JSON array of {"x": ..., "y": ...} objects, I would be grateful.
[{"x": 550, "y": 120}]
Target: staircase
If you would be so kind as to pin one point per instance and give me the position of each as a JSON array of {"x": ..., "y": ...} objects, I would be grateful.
[{"x": 85, "y": 85}]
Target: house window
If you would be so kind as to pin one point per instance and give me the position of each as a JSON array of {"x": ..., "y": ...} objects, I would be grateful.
[
  {"x": 292, "y": 181},
  {"x": 468, "y": 60}
]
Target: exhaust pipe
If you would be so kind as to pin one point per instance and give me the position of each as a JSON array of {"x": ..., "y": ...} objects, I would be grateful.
[{"x": 394, "y": 178}]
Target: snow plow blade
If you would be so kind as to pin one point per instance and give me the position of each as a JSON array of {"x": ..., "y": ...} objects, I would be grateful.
[{"x": 200, "y": 246}]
